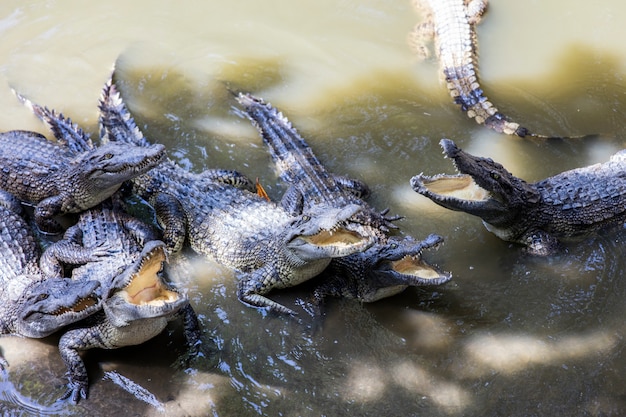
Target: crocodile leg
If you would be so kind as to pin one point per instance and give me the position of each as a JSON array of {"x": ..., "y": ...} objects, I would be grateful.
[
  {"x": 229, "y": 177},
  {"x": 250, "y": 290},
  {"x": 191, "y": 328},
  {"x": 419, "y": 38},
  {"x": 67, "y": 252},
  {"x": 171, "y": 217},
  {"x": 44, "y": 213},
  {"x": 540, "y": 243},
  {"x": 475, "y": 10},
  {"x": 139, "y": 230},
  {"x": 78, "y": 381}
]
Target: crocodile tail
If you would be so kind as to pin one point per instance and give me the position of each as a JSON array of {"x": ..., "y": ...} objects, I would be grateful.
[
  {"x": 116, "y": 122},
  {"x": 64, "y": 130}
]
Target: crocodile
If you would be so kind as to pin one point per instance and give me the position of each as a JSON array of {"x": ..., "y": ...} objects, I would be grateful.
[
  {"x": 59, "y": 179},
  {"x": 221, "y": 216},
  {"x": 138, "y": 301},
  {"x": 451, "y": 23},
  {"x": 385, "y": 269},
  {"x": 571, "y": 204},
  {"x": 391, "y": 264},
  {"x": 310, "y": 184},
  {"x": 124, "y": 256},
  {"x": 32, "y": 306}
]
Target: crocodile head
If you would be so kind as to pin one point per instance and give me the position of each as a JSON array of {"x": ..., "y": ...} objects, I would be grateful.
[
  {"x": 396, "y": 264},
  {"x": 47, "y": 305},
  {"x": 324, "y": 233},
  {"x": 140, "y": 291},
  {"x": 105, "y": 168},
  {"x": 483, "y": 188},
  {"x": 383, "y": 270}
]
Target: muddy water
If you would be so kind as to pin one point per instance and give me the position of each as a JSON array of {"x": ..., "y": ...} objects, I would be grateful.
[{"x": 510, "y": 335}]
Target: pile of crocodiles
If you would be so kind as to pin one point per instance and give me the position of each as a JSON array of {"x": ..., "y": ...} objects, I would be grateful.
[{"x": 104, "y": 283}]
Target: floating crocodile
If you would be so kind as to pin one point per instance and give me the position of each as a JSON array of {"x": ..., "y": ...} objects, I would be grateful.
[
  {"x": 537, "y": 215},
  {"x": 138, "y": 302},
  {"x": 62, "y": 179},
  {"x": 451, "y": 23},
  {"x": 386, "y": 268},
  {"x": 221, "y": 218},
  {"x": 30, "y": 305}
]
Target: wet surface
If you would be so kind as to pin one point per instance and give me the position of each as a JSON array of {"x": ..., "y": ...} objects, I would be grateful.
[{"x": 509, "y": 335}]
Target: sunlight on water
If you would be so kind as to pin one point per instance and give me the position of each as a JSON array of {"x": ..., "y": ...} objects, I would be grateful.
[{"x": 511, "y": 353}]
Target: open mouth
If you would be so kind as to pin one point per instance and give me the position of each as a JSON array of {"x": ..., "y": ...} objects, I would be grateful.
[
  {"x": 146, "y": 285},
  {"x": 336, "y": 237},
  {"x": 415, "y": 266},
  {"x": 461, "y": 186},
  {"x": 81, "y": 305}
]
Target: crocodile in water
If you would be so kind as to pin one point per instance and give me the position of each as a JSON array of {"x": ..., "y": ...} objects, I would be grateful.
[
  {"x": 66, "y": 179},
  {"x": 537, "y": 215},
  {"x": 138, "y": 301},
  {"x": 221, "y": 218},
  {"x": 386, "y": 268},
  {"x": 451, "y": 23},
  {"x": 30, "y": 305}
]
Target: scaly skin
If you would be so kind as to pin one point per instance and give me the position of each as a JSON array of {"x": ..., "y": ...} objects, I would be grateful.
[
  {"x": 222, "y": 219},
  {"x": 311, "y": 186},
  {"x": 537, "y": 215},
  {"x": 30, "y": 305},
  {"x": 383, "y": 270},
  {"x": 123, "y": 255},
  {"x": 61, "y": 179},
  {"x": 451, "y": 23},
  {"x": 138, "y": 302},
  {"x": 390, "y": 265}
]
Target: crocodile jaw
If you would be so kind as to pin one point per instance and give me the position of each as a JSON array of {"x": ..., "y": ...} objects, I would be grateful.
[
  {"x": 458, "y": 192},
  {"x": 55, "y": 303},
  {"x": 326, "y": 233},
  {"x": 142, "y": 293},
  {"x": 399, "y": 265},
  {"x": 113, "y": 163},
  {"x": 482, "y": 188}
]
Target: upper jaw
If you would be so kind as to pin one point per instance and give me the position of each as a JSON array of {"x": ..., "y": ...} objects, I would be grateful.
[
  {"x": 401, "y": 263},
  {"x": 469, "y": 190},
  {"x": 327, "y": 234},
  {"x": 67, "y": 301},
  {"x": 458, "y": 192}
]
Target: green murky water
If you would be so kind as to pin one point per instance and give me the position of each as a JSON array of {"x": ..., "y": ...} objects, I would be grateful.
[{"x": 510, "y": 335}]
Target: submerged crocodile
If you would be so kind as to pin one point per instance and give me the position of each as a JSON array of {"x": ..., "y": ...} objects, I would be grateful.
[
  {"x": 572, "y": 203},
  {"x": 138, "y": 302},
  {"x": 451, "y": 23},
  {"x": 66, "y": 179},
  {"x": 222, "y": 219},
  {"x": 386, "y": 268},
  {"x": 30, "y": 305}
]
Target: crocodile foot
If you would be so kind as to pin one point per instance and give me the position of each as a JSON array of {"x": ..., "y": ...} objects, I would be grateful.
[{"x": 76, "y": 389}]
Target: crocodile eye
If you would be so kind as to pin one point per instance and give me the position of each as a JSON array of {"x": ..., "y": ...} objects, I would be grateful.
[
  {"x": 42, "y": 297},
  {"x": 495, "y": 175},
  {"x": 306, "y": 218},
  {"x": 108, "y": 155}
]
